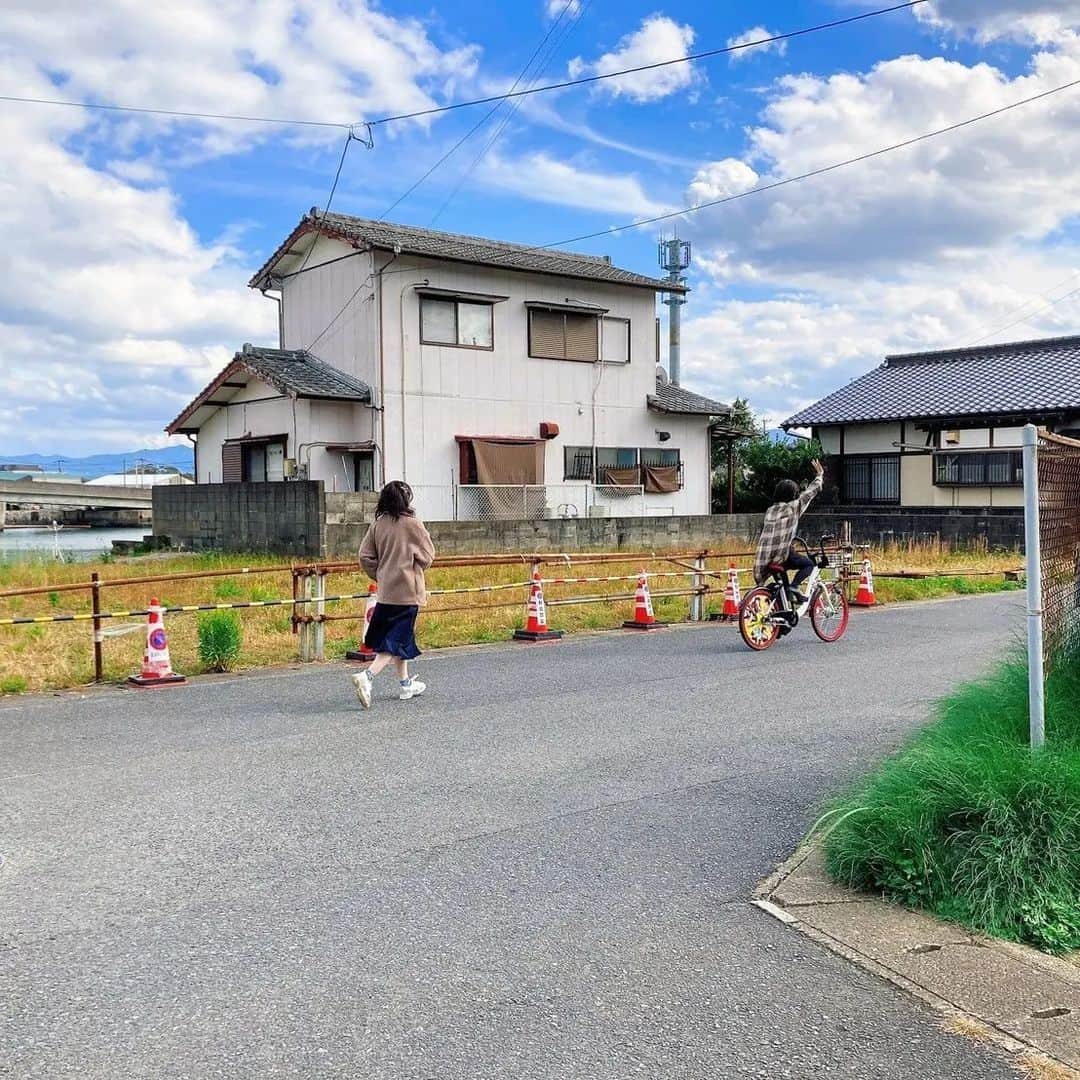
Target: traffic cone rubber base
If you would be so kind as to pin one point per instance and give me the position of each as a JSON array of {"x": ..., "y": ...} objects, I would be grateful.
[
  {"x": 537, "y": 635},
  {"x": 633, "y": 624},
  {"x": 156, "y": 680}
]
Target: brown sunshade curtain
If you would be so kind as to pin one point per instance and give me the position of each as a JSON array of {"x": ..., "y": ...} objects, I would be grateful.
[
  {"x": 660, "y": 479},
  {"x": 509, "y": 463},
  {"x": 628, "y": 477}
]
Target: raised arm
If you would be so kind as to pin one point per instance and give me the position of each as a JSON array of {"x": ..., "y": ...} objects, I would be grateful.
[{"x": 813, "y": 488}]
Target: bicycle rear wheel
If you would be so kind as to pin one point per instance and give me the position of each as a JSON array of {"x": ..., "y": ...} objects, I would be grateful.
[
  {"x": 755, "y": 619},
  {"x": 829, "y": 611}
]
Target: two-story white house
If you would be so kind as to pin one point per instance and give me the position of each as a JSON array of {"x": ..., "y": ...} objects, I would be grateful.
[{"x": 497, "y": 379}]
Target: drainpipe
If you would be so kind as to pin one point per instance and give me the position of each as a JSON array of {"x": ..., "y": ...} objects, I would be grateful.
[
  {"x": 280, "y": 316},
  {"x": 401, "y": 330},
  {"x": 194, "y": 452},
  {"x": 382, "y": 361}
]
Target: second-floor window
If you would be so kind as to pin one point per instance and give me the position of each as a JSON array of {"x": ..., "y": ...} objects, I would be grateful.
[
  {"x": 455, "y": 322},
  {"x": 563, "y": 335}
]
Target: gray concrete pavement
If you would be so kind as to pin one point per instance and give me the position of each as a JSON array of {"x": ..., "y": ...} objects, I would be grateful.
[{"x": 541, "y": 869}]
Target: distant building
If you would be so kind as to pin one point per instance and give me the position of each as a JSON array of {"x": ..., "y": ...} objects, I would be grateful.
[
  {"x": 458, "y": 364},
  {"x": 140, "y": 479},
  {"x": 943, "y": 429},
  {"x": 21, "y": 468}
]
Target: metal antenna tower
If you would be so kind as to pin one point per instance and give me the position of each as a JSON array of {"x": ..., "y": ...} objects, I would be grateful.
[{"x": 674, "y": 256}]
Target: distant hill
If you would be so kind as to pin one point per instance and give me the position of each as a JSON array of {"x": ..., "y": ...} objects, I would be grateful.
[{"x": 178, "y": 457}]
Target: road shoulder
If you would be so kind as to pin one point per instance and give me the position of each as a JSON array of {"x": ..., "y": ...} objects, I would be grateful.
[{"x": 1023, "y": 1000}]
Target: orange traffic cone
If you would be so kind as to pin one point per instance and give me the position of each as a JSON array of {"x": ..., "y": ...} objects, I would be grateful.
[
  {"x": 732, "y": 595},
  {"x": 536, "y": 627},
  {"x": 865, "y": 596},
  {"x": 643, "y": 619},
  {"x": 156, "y": 666},
  {"x": 365, "y": 653}
]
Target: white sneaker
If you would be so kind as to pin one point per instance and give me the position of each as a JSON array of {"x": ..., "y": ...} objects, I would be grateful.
[
  {"x": 362, "y": 682},
  {"x": 414, "y": 689}
]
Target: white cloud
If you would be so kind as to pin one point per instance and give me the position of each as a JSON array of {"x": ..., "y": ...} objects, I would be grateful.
[
  {"x": 809, "y": 286},
  {"x": 541, "y": 178},
  {"x": 657, "y": 39},
  {"x": 569, "y": 9},
  {"x": 114, "y": 310},
  {"x": 755, "y": 33},
  {"x": 986, "y": 20}
]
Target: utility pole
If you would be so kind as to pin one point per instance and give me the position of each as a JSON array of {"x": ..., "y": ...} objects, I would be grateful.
[{"x": 674, "y": 258}]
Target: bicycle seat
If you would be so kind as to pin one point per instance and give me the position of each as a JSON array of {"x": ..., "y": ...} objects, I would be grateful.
[{"x": 775, "y": 567}]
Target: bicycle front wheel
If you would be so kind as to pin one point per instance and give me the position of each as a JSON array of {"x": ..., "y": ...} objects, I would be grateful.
[
  {"x": 755, "y": 619},
  {"x": 829, "y": 611}
]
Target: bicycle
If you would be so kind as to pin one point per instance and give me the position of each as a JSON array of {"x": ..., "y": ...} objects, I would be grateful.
[{"x": 767, "y": 612}]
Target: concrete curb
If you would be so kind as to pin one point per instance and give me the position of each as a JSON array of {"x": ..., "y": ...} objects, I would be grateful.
[{"x": 1025, "y": 1001}]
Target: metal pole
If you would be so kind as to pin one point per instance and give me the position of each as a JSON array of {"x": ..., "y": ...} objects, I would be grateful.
[
  {"x": 697, "y": 601},
  {"x": 319, "y": 628},
  {"x": 1036, "y": 704},
  {"x": 674, "y": 337},
  {"x": 95, "y": 607},
  {"x": 731, "y": 476}
]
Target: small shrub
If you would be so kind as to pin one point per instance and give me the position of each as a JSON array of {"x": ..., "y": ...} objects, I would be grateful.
[
  {"x": 12, "y": 684},
  {"x": 219, "y": 640},
  {"x": 54, "y": 599}
]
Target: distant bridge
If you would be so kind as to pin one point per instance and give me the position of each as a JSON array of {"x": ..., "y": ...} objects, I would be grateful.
[{"x": 71, "y": 496}]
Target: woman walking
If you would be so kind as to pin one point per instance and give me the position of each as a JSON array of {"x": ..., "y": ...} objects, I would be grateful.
[{"x": 395, "y": 553}]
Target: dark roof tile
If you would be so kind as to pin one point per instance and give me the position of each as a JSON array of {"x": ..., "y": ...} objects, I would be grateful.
[
  {"x": 386, "y": 236},
  {"x": 1020, "y": 378},
  {"x": 670, "y": 398}
]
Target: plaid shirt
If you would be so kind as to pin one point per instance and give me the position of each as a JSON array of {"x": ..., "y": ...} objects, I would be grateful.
[{"x": 781, "y": 524}]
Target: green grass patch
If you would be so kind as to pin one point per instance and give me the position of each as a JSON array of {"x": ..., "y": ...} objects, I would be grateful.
[
  {"x": 220, "y": 637},
  {"x": 12, "y": 684},
  {"x": 892, "y": 590},
  {"x": 966, "y": 822}
]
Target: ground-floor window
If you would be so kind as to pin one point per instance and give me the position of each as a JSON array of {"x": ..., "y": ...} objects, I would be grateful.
[
  {"x": 870, "y": 478},
  {"x": 979, "y": 468}
]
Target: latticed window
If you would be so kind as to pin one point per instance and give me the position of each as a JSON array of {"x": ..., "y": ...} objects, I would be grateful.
[
  {"x": 979, "y": 468},
  {"x": 871, "y": 478}
]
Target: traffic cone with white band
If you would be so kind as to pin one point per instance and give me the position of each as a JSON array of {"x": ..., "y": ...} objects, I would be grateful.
[
  {"x": 732, "y": 595},
  {"x": 865, "y": 596},
  {"x": 365, "y": 653},
  {"x": 644, "y": 618},
  {"x": 536, "y": 627},
  {"x": 156, "y": 666}
]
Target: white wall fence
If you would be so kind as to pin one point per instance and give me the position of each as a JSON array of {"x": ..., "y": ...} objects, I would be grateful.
[{"x": 532, "y": 502}]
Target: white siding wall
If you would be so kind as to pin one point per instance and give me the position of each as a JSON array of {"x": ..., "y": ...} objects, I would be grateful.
[{"x": 452, "y": 391}]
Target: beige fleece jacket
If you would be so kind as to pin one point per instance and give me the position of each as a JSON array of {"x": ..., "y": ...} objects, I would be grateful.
[{"x": 394, "y": 554}]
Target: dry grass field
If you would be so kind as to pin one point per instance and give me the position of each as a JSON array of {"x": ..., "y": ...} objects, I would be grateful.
[{"x": 49, "y": 656}]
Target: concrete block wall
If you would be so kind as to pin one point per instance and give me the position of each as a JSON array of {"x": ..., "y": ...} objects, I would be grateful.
[{"x": 283, "y": 518}]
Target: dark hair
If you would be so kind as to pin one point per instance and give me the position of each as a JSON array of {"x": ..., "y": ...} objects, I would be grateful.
[
  {"x": 785, "y": 491},
  {"x": 395, "y": 500}
]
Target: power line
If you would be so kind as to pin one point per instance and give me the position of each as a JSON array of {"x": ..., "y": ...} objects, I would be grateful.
[
  {"x": 481, "y": 122},
  {"x": 333, "y": 188},
  {"x": 816, "y": 172},
  {"x": 511, "y": 109},
  {"x": 177, "y": 112},
  {"x": 1030, "y": 315},
  {"x": 585, "y": 80},
  {"x": 756, "y": 43},
  {"x": 517, "y": 251}
]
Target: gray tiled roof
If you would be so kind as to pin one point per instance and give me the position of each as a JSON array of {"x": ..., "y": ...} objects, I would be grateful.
[
  {"x": 289, "y": 371},
  {"x": 1023, "y": 378},
  {"x": 385, "y": 236},
  {"x": 294, "y": 371},
  {"x": 670, "y": 398}
]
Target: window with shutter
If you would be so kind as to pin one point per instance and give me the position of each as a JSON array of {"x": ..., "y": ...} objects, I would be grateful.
[
  {"x": 546, "y": 335},
  {"x": 581, "y": 337},
  {"x": 231, "y": 463}
]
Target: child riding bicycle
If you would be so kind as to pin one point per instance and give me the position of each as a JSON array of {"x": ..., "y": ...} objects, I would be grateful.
[{"x": 781, "y": 525}]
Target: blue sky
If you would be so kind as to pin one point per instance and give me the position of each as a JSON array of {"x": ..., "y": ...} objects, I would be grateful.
[{"x": 131, "y": 238}]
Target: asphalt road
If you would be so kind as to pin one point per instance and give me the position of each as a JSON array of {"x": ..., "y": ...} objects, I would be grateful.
[{"x": 541, "y": 869}]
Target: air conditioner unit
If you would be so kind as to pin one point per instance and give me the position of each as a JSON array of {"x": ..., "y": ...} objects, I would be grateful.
[{"x": 598, "y": 512}]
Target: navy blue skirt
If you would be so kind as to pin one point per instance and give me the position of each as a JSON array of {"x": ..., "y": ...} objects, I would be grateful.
[{"x": 393, "y": 630}]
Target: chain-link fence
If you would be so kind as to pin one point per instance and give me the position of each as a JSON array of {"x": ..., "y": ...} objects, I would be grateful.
[{"x": 1059, "y": 544}]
